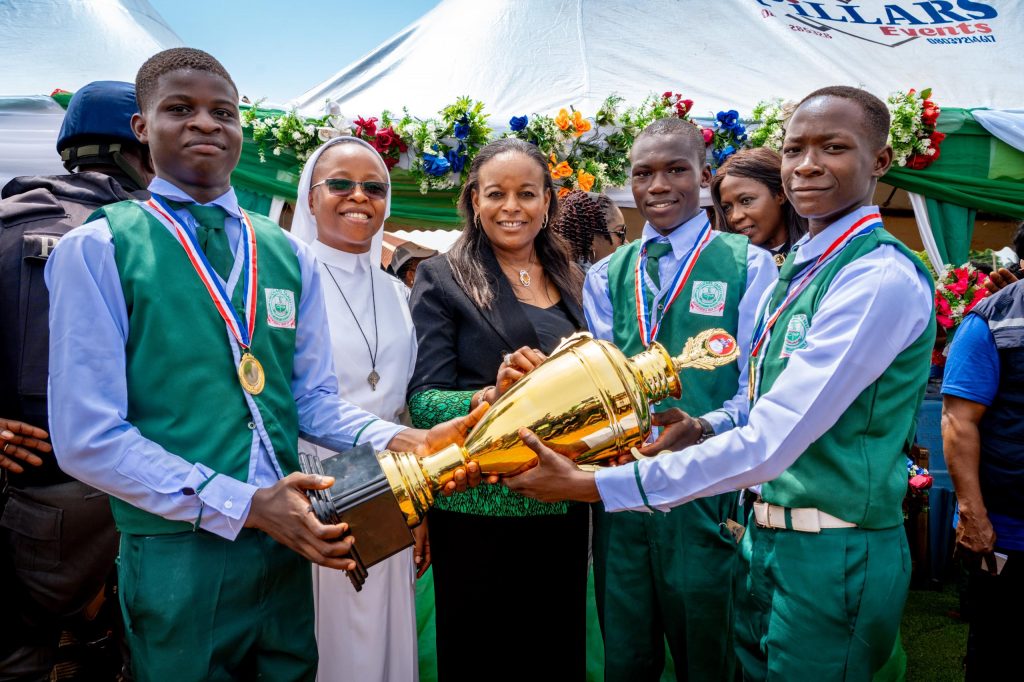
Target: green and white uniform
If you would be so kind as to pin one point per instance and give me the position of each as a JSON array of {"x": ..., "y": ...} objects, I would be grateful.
[
  {"x": 667, "y": 577},
  {"x": 841, "y": 377}
]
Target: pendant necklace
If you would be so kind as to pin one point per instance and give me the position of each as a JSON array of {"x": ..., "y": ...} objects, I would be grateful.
[
  {"x": 372, "y": 378},
  {"x": 524, "y": 273}
]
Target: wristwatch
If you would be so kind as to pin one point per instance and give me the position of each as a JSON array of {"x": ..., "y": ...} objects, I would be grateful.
[{"x": 706, "y": 430}]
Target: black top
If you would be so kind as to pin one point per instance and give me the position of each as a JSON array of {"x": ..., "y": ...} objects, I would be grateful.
[
  {"x": 460, "y": 346},
  {"x": 551, "y": 324}
]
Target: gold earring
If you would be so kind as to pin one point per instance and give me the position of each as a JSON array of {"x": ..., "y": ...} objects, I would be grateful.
[
  {"x": 479, "y": 224},
  {"x": 545, "y": 223}
]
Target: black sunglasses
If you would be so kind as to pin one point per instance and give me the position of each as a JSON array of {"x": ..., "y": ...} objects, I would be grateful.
[
  {"x": 342, "y": 187},
  {"x": 620, "y": 233}
]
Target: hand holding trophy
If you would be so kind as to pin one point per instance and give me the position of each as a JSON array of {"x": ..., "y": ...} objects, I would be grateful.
[{"x": 587, "y": 400}]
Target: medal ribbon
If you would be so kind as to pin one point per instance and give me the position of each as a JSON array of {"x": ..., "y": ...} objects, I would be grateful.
[
  {"x": 208, "y": 276},
  {"x": 856, "y": 230},
  {"x": 647, "y": 321}
]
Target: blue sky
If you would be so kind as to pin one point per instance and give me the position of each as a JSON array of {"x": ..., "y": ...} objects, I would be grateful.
[{"x": 278, "y": 49}]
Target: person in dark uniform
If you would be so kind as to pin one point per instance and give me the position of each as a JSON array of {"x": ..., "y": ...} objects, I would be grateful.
[{"x": 57, "y": 536}]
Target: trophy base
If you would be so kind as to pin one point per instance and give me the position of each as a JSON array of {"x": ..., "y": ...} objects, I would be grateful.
[{"x": 362, "y": 497}]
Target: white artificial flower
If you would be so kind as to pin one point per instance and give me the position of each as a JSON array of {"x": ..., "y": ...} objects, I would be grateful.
[
  {"x": 297, "y": 136},
  {"x": 332, "y": 108},
  {"x": 277, "y": 151}
]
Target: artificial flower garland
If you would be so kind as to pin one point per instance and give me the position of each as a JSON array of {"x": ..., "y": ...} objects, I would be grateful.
[{"x": 587, "y": 153}]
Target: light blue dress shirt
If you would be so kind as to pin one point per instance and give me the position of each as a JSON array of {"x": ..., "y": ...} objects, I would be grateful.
[
  {"x": 761, "y": 277},
  {"x": 88, "y": 393},
  {"x": 873, "y": 310}
]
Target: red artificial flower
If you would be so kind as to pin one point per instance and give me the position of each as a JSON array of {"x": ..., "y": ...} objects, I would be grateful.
[
  {"x": 921, "y": 482},
  {"x": 942, "y": 305},
  {"x": 366, "y": 127},
  {"x": 938, "y": 359},
  {"x": 708, "y": 134},
  {"x": 929, "y": 115},
  {"x": 944, "y": 321},
  {"x": 389, "y": 161},
  {"x": 959, "y": 288},
  {"x": 919, "y": 161},
  {"x": 666, "y": 95},
  {"x": 688, "y": 103},
  {"x": 911, "y": 91},
  {"x": 980, "y": 293},
  {"x": 937, "y": 138}
]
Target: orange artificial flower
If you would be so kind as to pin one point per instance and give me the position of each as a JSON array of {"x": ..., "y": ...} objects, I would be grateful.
[
  {"x": 581, "y": 124},
  {"x": 562, "y": 170},
  {"x": 584, "y": 180},
  {"x": 562, "y": 120},
  {"x": 562, "y": 192}
]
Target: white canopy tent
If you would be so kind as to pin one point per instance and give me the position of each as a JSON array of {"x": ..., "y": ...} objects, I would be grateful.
[
  {"x": 526, "y": 56},
  {"x": 64, "y": 44},
  {"x": 534, "y": 56}
]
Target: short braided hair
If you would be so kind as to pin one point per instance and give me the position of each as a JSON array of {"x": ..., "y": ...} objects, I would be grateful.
[
  {"x": 175, "y": 59},
  {"x": 580, "y": 217}
]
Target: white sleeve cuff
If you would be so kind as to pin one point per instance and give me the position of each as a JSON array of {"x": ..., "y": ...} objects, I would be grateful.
[{"x": 619, "y": 488}]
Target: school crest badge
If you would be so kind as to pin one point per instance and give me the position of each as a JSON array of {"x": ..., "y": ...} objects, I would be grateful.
[
  {"x": 796, "y": 335},
  {"x": 280, "y": 308},
  {"x": 708, "y": 298}
]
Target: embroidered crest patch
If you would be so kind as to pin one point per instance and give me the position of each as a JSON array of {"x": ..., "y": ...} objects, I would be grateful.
[
  {"x": 796, "y": 335},
  {"x": 280, "y": 308},
  {"x": 708, "y": 298}
]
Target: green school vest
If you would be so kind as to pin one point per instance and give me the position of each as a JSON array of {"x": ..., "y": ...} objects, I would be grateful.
[
  {"x": 856, "y": 471},
  {"x": 723, "y": 264},
  {"x": 183, "y": 390}
]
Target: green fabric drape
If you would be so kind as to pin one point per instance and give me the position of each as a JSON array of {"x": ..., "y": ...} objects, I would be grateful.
[
  {"x": 253, "y": 201},
  {"x": 975, "y": 171}
]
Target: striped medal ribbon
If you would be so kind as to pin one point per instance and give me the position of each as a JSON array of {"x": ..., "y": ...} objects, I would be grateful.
[
  {"x": 863, "y": 226},
  {"x": 250, "y": 372},
  {"x": 648, "y": 322}
]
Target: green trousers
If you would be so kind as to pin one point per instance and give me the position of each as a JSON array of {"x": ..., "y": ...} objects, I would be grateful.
[
  {"x": 199, "y": 607},
  {"x": 822, "y": 606},
  {"x": 666, "y": 578}
]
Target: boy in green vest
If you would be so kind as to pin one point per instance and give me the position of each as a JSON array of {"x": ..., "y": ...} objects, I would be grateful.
[
  {"x": 838, "y": 365},
  {"x": 187, "y": 352},
  {"x": 665, "y": 577}
]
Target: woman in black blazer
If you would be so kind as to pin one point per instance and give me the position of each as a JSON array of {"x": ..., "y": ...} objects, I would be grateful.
[{"x": 509, "y": 572}]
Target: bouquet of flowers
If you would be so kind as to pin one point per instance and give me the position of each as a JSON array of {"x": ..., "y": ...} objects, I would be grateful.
[
  {"x": 770, "y": 116},
  {"x": 918, "y": 478},
  {"x": 957, "y": 293},
  {"x": 912, "y": 134}
]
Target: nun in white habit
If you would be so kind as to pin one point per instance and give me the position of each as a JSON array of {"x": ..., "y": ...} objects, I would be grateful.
[{"x": 344, "y": 198}]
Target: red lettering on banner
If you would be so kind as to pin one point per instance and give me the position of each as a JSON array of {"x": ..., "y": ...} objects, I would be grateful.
[
  {"x": 983, "y": 28},
  {"x": 962, "y": 28}
]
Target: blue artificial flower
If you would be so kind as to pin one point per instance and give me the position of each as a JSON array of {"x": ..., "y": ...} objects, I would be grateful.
[
  {"x": 720, "y": 155},
  {"x": 435, "y": 165},
  {"x": 728, "y": 119},
  {"x": 517, "y": 123},
  {"x": 462, "y": 127},
  {"x": 456, "y": 158}
]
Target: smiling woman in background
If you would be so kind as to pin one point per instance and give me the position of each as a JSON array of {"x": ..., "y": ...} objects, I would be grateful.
[
  {"x": 748, "y": 197},
  {"x": 507, "y": 284}
]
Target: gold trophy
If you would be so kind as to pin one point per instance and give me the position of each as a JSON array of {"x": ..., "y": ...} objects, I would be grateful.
[{"x": 587, "y": 397}]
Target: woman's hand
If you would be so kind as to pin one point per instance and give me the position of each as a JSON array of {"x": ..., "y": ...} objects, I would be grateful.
[{"x": 513, "y": 368}]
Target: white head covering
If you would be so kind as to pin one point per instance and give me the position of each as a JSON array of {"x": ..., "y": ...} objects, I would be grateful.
[{"x": 304, "y": 223}]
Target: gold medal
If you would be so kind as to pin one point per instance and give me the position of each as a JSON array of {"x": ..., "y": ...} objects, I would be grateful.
[{"x": 250, "y": 374}]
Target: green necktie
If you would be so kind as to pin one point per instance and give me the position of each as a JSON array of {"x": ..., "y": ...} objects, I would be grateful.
[
  {"x": 212, "y": 238},
  {"x": 787, "y": 272},
  {"x": 655, "y": 250}
]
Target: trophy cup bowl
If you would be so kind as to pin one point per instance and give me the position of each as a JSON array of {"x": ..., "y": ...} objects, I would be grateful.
[{"x": 587, "y": 397}]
